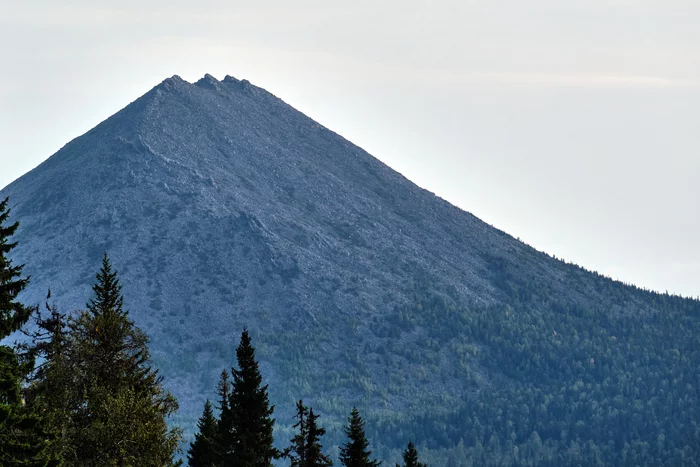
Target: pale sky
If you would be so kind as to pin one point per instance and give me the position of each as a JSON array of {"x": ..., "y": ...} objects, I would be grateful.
[{"x": 571, "y": 124}]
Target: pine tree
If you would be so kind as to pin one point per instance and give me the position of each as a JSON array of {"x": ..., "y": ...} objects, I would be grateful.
[
  {"x": 23, "y": 441},
  {"x": 223, "y": 390},
  {"x": 121, "y": 415},
  {"x": 410, "y": 457},
  {"x": 224, "y": 434},
  {"x": 297, "y": 452},
  {"x": 315, "y": 456},
  {"x": 252, "y": 422},
  {"x": 52, "y": 382},
  {"x": 306, "y": 449},
  {"x": 355, "y": 452},
  {"x": 13, "y": 314},
  {"x": 203, "y": 451}
]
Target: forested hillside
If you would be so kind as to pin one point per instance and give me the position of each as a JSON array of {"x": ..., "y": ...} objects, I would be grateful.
[{"x": 223, "y": 208}]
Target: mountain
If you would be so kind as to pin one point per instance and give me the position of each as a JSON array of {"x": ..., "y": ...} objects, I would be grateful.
[{"x": 222, "y": 207}]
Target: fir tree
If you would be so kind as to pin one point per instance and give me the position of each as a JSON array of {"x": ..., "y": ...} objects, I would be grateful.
[
  {"x": 315, "y": 456},
  {"x": 306, "y": 449},
  {"x": 410, "y": 457},
  {"x": 297, "y": 452},
  {"x": 203, "y": 451},
  {"x": 23, "y": 441},
  {"x": 120, "y": 418},
  {"x": 52, "y": 382},
  {"x": 224, "y": 434},
  {"x": 108, "y": 297},
  {"x": 13, "y": 314},
  {"x": 355, "y": 452},
  {"x": 251, "y": 414}
]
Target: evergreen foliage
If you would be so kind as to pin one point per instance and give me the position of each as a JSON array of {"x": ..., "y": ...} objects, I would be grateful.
[
  {"x": 569, "y": 385},
  {"x": 225, "y": 434},
  {"x": 315, "y": 456},
  {"x": 203, "y": 451},
  {"x": 250, "y": 436},
  {"x": 410, "y": 457},
  {"x": 23, "y": 438},
  {"x": 355, "y": 452},
  {"x": 297, "y": 452},
  {"x": 13, "y": 314},
  {"x": 52, "y": 381},
  {"x": 306, "y": 449},
  {"x": 109, "y": 404}
]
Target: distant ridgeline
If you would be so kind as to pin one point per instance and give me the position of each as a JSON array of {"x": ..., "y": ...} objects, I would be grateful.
[{"x": 223, "y": 208}]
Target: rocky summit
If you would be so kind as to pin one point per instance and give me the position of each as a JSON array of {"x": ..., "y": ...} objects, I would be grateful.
[{"x": 222, "y": 207}]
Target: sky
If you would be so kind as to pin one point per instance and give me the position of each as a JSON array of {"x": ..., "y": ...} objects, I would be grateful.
[{"x": 570, "y": 124}]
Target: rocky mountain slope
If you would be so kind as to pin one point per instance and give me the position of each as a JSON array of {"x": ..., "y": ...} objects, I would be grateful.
[{"x": 223, "y": 207}]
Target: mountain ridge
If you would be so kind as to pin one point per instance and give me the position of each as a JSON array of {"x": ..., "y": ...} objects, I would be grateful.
[{"x": 223, "y": 207}]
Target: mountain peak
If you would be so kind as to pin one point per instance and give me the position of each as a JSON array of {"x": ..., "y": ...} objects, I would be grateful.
[
  {"x": 222, "y": 206},
  {"x": 174, "y": 82},
  {"x": 231, "y": 80},
  {"x": 209, "y": 82}
]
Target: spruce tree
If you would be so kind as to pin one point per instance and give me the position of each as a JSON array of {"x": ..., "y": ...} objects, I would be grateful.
[
  {"x": 306, "y": 449},
  {"x": 224, "y": 435},
  {"x": 121, "y": 415},
  {"x": 410, "y": 457},
  {"x": 13, "y": 314},
  {"x": 52, "y": 382},
  {"x": 315, "y": 456},
  {"x": 355, "y": 452},
  {"x": 23, "y": 441},
  {"x": 251, "y": 414},
  {"x": 203, "y": 451},
  {"x": 297, "y": 452}
]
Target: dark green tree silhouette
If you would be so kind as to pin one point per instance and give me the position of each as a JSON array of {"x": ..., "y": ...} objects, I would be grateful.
[
  {"x": 23, "y": 439},
  {"x": 297, "y": 452},
  {"x": 13, "y": 314},
  {"x": 314, "y": 449},
  {"x": 121, "y": 415},
  {"x": 224, "y": 433},
  {"x": 306, "y": 449},
  {"x": 203, "y": 451},
  {"x": 250, "y": 436},
  {"x": 355, "y": 452},
  {"x": 410, "y": 457},
  {"x": 52, "y": 381}
]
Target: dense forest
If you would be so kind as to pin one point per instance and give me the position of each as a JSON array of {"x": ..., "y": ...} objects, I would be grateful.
[
  {"x": 82, "y": 391},
  {"x": 554, "y": 384}
]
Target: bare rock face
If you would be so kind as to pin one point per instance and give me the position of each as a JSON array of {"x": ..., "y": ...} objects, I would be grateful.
[{"x": 222, "y": 207}]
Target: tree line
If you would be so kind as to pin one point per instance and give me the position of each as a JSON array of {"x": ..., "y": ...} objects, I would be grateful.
[
  {"x": 242, "y": 434},
  {"x": 81, "y": 390}
]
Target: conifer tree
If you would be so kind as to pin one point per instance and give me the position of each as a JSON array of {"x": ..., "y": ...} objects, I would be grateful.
[
  {"x": 13, "y": 314},
  {"x": 121, "y": 415},
  {"x": 355, "y": 452},
  {"x": 410, "y": 457},
  {"x": 23, "y": 441},
  {"x": 203, "y": 451},
  {"x": 297, "y": 452},
  {"x": 250, "y": 437},
  {"x": 52, "y": 382},
  {"x": 315, "y": 456},
  {"x": 224, "y": 434},
  {"x": 223, "y": 390},
  {"x": 306, "y": 449}
]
